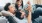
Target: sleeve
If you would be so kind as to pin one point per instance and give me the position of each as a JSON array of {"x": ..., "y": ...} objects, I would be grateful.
[{"x": 10, "y": 19}]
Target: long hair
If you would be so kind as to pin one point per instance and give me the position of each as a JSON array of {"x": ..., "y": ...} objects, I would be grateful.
[
  {"x": 18, "y": 15},
  {"x": 16, "y": 5}
]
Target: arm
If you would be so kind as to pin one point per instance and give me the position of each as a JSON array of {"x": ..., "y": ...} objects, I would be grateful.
[
  {"x": 29, "y": 12},
  {"x": 29, "y": 17},
  {"x": 28, "y": 7}
]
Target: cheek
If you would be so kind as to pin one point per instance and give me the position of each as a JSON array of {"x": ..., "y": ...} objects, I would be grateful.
[
  {"x": 12, "y": 9},
  {"x": 19, "y": 3}
]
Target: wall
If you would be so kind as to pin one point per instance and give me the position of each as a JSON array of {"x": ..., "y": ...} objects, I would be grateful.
[
  {"x": 37, "y": 2},
  {"x": 25, "y": 1},
  {"x": 3, "y": 2}
]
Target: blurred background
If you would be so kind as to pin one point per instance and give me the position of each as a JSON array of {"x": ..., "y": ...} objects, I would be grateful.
[
  {"x": 36, "y": 4},
  {"x": 3, "y": 2}
]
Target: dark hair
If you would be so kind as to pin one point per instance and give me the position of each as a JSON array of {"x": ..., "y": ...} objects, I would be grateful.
[
  {"x": 17, "y": 0},
  {"x": 18, "y": 15},
  {"x": 16, "y": 5},
  {"x": 6, "y": 6}
]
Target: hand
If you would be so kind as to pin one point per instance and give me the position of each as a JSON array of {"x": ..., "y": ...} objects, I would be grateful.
[
  {"x": 29, "y": 7},
  {"x": 29, "y": 3}
]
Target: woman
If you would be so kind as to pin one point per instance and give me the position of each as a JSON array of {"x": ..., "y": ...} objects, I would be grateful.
[
  {"x": 29, "y": 14},
  {"x": 19, "y": 4}
]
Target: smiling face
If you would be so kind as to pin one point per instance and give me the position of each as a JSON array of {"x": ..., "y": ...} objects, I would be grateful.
[
  {"x": 12, "y": 9},
  {"x": 19, "y": 3}
]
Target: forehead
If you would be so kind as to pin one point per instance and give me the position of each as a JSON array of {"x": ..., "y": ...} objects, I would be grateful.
[
  {"x": 12, "y": 5},
  {"x": 19, "y": 1}
]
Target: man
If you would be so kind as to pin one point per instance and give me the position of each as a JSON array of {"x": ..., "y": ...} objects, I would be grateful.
[{"x": 9, "y": 12}]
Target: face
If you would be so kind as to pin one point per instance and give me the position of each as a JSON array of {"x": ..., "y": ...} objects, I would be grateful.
[
  {"x": 12, "y": 9},
  {"x": 19, "y": 3}
]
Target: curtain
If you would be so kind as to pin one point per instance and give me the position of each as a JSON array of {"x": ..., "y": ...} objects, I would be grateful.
[{"x": 37, "y": 2}]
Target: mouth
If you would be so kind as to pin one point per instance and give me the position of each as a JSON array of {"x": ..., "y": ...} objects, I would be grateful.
[{"x": 14, "y": 10}]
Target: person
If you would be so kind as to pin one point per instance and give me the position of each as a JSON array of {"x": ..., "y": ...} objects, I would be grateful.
[
  {"x": 29, "y": 9},
  {"x": 21, "y": 17},
  {"x": 9, "y": 12},
  {"x": 10, "y": 9},
  {"x": 19, "y": 4}
]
